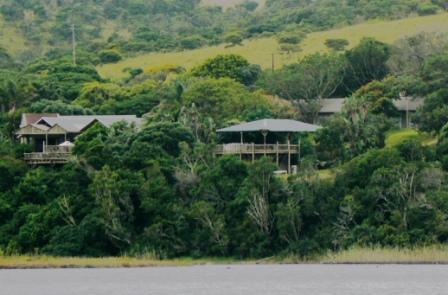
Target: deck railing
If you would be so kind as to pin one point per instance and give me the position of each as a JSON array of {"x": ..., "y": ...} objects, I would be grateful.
[
  {"x": 51, "y": 155},
  {"x": 239, "y": 148}
]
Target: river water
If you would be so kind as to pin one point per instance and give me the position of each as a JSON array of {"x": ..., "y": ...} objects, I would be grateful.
[{"x": 228, "y": 280}]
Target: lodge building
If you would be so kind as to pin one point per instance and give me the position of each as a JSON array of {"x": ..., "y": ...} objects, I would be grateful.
[{"x": 52, "y": 135}]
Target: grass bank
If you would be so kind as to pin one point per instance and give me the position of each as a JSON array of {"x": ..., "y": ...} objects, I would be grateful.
[
  {"x": 35, "y": 262},
  {"x": 423, "y": 255}
]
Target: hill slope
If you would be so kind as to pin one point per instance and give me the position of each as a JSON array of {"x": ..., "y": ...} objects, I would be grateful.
[
  {"x": 259, "y": 51},
  {"x": 227, "y": 3}
]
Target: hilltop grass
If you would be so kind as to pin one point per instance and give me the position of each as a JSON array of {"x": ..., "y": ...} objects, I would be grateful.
[
  {"x": 396, "y": 137},
  {"x": 260, "y": 50}
]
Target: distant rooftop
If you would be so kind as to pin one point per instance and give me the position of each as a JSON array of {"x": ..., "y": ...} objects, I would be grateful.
[
  {"x": 332, "y": 105},
  {"x": 272, "y": 125},
  {"x": 335, "y": 105}
]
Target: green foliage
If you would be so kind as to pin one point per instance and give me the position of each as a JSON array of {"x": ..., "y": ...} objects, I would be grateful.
[
  {"x": 331, "y": 140},
  {"x": 59, "y": 107},
  {"x": 192, "y": 42},
  {"x": 234, "y": 38},
  {"x": 230, "y": 66},
  {"x": 223, "y": 99},
  {"x": 314, "y": 77},
  {"x": 336, "y": 44},
  {"x": 289, "y": 38},
  {"x": 90, "y": 144},
  {"x": 60, "y": 80},
  {"x": 11, "y": 170},
  {"x": 160, "y": 189},
  {"x": 409, "y": 54},
  {"x": 433, "y": 70},
  {"x": 6, "y": 60},
  {"x": 428, "y": 9},
  {"x": 434, "y": 113},
  {"x": 109, "y": 56},
  {"x": 366, "y": 62}
]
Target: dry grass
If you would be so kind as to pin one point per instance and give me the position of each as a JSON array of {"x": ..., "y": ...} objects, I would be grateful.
[
  {"x": 259, "y": 51},
  {"x": 431, "y": 254},
  {"x": 20, "y": 262},
  {"x": 424, "y": 255}
]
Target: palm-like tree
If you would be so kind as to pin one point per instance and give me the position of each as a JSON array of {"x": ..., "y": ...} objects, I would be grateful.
[{"x": 15, "y": 90}]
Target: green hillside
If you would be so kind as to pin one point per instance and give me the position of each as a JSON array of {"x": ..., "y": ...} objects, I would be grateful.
[
  {"x": 10, "y": 38},
  {"x": 259, "y": 51},
  {"x": 227, "y": 3}
]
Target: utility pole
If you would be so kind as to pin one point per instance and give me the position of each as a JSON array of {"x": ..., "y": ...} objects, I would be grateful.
[
  {"x": 74, "y": 44},
  {"x": 273, "y": 70}
]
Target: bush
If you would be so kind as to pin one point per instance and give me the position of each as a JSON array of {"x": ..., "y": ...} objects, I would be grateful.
[
  {"x": 336, "y": 44},
  {"x": 291, "y": 38},
  {"x": 234, "y": 39},
  {"x": 109, "y": 56},
  {"x": 427, "y": 9},
  {"x": 192, "y": 42},
  {"x": 411, "y": 150}
]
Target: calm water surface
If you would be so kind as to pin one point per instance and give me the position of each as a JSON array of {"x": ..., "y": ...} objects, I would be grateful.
[{"x": 247, "y": 280}]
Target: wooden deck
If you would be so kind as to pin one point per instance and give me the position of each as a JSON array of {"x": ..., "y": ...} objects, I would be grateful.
[
  {"x": 53, "y": 155},
  {"x": 256, "y": 149}
]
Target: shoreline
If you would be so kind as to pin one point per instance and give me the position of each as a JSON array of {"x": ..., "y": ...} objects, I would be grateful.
[
  {"x": 431, "y": 255},
  {"x": 53, "y": 267}
]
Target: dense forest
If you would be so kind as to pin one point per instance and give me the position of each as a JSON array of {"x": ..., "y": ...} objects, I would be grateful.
[{"x": 159, "y": 189}]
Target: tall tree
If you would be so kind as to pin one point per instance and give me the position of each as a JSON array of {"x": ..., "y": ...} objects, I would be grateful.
[
  {"x": 366, "y": 62},
  {"x": 305, "y": 83}
]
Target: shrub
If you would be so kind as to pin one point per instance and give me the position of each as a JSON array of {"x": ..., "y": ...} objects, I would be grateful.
[
  {"x": 291, "y": 38},
  {"x": 427, "y": 9},
  {"x": 109, "y": 56},
  {"x": 192, "y": 42},
  {"x": 336, "y": 44},
  {"x": 234, "y": 39}
]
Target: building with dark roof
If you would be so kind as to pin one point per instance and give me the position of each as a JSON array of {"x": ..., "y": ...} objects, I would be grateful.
[
  {"x": 284, "y": 153},
  {"x": 52, "y": 135},
  {"x": 406, "y": 106}
]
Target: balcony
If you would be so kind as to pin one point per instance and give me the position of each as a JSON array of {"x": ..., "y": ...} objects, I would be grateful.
[
  {"x": 256, "y": 149},
  {"x": 52, "y": 155}
]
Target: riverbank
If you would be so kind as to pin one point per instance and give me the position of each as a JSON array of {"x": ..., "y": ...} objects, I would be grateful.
[
  {"x": 424, "y": 255},
  {"x": 38, "y": 262},
  {"x": 378, "y": 255}
]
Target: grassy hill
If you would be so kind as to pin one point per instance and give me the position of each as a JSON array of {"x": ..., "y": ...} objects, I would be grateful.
[{"x": 260, "y": 50}]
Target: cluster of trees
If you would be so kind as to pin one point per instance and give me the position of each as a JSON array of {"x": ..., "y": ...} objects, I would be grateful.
[
  {"x": 325, "y": 14},
  {"x": 113, "y": 28},
  {"x": 159, "y": 189}
]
